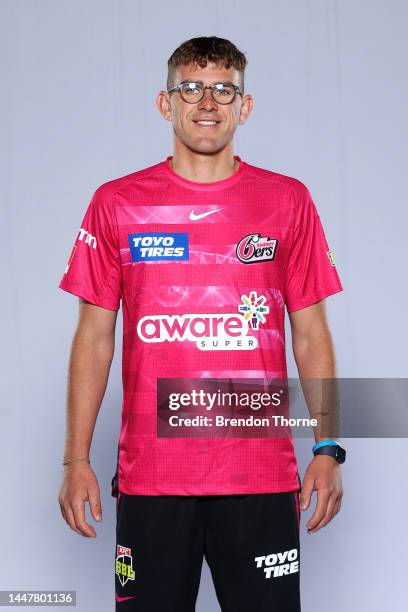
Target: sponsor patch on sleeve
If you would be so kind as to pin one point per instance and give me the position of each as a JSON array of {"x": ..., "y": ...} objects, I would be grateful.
[
  {"x": 330, "y": 255},
  {"x": 71, "y": 257}
]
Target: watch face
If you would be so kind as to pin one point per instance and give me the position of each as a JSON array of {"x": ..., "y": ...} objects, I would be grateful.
[{"x": 341, "y": 454}]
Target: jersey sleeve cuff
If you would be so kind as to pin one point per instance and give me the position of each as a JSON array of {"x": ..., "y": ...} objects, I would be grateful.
[
  {"x": 313, "y": 298},
  {"x": 83, "y": 293}
]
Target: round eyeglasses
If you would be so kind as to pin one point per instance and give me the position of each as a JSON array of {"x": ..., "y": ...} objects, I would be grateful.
[{"x": 193, "y": 91}]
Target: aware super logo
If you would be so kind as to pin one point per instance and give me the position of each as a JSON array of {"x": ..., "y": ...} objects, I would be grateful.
[{"x": 209, "y": 331}]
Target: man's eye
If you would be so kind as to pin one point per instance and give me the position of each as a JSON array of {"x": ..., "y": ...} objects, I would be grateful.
[
  {"x": 191, "y": 88},
  {"x": 223, "y": 90}
]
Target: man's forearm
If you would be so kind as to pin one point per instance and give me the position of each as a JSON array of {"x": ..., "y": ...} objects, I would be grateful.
[
  {"x": 314, "y": 355},
  {"x": 315, "y": 361},
  {"x": 88, "y": 373}
]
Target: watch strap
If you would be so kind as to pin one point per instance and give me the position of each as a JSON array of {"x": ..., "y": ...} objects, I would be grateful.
[{"x": 333, "y": 450}]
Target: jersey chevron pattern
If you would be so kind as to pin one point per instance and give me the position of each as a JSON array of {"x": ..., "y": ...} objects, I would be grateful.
[{"x": 204, "y": 272}]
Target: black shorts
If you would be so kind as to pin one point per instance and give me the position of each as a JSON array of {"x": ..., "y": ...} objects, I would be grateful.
[{"x": 250, "y": 542}]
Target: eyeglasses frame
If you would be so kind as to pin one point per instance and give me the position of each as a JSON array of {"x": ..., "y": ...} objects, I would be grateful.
[{"x": 237, "y": 90}]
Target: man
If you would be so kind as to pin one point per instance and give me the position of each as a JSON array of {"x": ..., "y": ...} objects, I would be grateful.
[{"x": 205, "y": 251}]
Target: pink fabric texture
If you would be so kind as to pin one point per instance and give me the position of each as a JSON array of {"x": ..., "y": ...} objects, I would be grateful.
[{"x": 174, "y": 251}]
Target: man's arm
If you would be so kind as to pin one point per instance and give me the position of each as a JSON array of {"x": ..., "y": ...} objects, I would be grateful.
[
  {"x": 314, "y": 355},
  {"x": 90, "y": 360}
]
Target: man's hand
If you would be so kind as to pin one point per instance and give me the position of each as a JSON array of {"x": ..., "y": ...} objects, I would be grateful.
[
  {"x": 79, "y": 485},
  {"x": 324, "y": 476}
]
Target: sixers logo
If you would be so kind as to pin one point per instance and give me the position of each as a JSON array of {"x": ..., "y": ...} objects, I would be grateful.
[{"x": 255, "y": 248}]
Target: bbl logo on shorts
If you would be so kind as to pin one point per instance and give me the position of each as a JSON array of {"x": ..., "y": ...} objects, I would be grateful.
[
  {"x": 124, "y": 565},
  {"x": 255, "y": 248},
  {"x": 154, "y": 246}
]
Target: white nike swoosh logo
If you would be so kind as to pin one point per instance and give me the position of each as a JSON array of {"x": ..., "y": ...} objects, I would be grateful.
[{"x": 194, "y": 217}]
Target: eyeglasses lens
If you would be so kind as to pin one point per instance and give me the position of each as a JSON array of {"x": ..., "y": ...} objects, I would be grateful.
[{"x": 193, "y": 92}]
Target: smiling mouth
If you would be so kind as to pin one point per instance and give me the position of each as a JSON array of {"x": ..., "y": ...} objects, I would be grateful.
[{"x": 206, "y": 122}]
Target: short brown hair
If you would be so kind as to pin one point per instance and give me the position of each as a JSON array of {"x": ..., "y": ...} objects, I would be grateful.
[{"x": 205, "y": 49}]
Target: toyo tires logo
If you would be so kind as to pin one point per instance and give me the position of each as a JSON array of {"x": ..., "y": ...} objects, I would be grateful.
[{"x": 224, "y": 331}]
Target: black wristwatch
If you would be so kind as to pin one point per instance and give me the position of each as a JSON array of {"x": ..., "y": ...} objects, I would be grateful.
[{"x": 335, "y": 451}]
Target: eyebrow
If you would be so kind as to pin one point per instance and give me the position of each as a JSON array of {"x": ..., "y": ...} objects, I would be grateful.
[{"x": 201, "y": 82}]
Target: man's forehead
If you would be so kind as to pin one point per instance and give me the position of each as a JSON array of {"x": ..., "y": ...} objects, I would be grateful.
[{"x": 212, "y": 73}]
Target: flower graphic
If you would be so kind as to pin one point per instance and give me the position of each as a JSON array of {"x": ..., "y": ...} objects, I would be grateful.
[{"x": 253, "y": 308}]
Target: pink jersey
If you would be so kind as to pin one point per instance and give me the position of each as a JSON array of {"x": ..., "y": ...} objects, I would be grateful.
[{"x": 204, "y": 272}]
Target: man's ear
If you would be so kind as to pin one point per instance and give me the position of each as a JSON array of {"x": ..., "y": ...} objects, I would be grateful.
[
  {"x": 163, "y": 104},
  {"x": 246, "y": 108}
]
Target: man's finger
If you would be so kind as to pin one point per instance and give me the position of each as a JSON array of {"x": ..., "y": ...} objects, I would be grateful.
[
  {"x": 79, "y": 516},
  {"x": 70, "y": 519},
  {"x": 328, "y": 514},
  {"x": 320, "y": 510},
  {"x": 337, "y": 507},
  {"x": 95, "y": 504},
  {"x": 306, "y": 492},
  {"x": 62, "y": 510}
]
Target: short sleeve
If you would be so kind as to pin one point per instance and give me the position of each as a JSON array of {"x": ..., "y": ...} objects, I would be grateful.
[
  {"x": 311, "y": 271},
  {"x": 93, "y": 270}
]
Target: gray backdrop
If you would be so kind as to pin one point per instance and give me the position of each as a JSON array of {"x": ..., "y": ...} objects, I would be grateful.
[{"x": 329, "y": 83}]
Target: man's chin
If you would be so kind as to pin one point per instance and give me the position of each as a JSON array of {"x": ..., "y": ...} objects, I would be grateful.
[{"x": 205, "y": 146}]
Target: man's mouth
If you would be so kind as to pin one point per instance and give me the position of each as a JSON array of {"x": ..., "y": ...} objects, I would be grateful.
[{"x": 206, "y": 122}]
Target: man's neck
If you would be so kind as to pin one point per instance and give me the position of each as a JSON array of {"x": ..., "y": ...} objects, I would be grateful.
[{"x": 204, "y": 168}]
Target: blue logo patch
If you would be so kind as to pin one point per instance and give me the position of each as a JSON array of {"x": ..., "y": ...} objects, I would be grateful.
[{"x": 155, "y": 246}]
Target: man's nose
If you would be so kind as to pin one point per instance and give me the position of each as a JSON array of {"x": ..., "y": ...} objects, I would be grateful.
[{"x": 207, "y": 102}]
